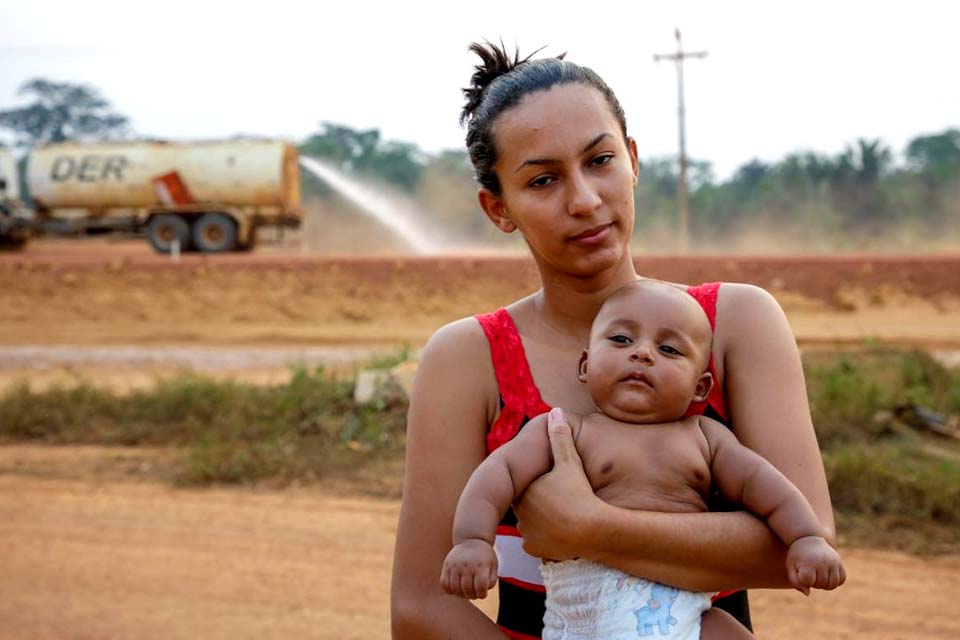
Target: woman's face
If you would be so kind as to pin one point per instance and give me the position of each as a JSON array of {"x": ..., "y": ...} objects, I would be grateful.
[{"x": 567, "y": 179}]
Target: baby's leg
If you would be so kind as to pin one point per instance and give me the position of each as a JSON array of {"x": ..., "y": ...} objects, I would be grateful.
[{"x": 717, "y": 624}]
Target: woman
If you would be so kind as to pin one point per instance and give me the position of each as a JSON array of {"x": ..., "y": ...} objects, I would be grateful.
[{"x": 548, "y": 141}]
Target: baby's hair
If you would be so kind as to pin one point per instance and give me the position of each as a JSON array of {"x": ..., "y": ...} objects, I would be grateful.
[{"x": 499, "y": 82}]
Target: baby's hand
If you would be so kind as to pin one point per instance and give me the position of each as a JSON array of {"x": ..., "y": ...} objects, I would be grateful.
[
  {"x": 470, "y": 569},
  {"x": 812, "y": 563}
]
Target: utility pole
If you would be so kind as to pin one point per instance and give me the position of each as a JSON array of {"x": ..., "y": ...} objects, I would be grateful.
[{"x": 678, "y": 58}]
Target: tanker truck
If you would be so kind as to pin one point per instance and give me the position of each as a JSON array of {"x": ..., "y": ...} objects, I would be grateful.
[{"x": 204, "y": 196}]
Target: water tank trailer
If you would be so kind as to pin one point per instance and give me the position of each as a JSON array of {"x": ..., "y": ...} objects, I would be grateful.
[{"x": 204, "y": 196}]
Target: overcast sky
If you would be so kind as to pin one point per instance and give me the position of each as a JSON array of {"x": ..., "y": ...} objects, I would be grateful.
[{"x": 779, "y": 76}]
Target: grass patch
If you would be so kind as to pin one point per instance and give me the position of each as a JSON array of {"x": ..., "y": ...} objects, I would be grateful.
[
  {"x": 891, "y": 486},
  {"x": 848, "y": 390},
  {"x": 233, "y": 432}
]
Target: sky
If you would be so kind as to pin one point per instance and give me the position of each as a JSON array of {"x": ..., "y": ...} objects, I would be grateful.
[{"x": 779, "y": 76}]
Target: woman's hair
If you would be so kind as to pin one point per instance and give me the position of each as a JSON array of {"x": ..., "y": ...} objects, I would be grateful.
[{"x": 500, "y": 82}]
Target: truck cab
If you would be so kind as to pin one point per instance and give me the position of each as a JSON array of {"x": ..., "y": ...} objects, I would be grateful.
[{"x": 14, "y": 228}]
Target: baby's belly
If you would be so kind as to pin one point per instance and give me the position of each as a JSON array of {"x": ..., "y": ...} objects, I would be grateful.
[{"x": 664, "y": 501}]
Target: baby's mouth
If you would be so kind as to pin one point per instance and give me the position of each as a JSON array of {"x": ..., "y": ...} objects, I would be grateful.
[{"x": 639, "y": 378}]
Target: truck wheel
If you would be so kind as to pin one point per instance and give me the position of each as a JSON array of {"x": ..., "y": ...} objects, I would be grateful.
[
  {"x": 164, "y": 229},
  {"x": 215, "y": 233},
  {"x": 12, "y": 243}
]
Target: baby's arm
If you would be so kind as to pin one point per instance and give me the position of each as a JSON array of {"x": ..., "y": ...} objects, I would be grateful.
[
  {"x": 746, "y": 477},
  {"x": 471, "y": 565}
]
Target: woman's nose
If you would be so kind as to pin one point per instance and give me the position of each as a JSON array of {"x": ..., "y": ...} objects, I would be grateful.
[{"x": 583, "y": 198}]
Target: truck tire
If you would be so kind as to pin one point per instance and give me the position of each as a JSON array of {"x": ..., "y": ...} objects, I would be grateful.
[
  {"x": 12, "y": 243},
  {"x": 164, "y": 229},
  {"x": 215, "y": 233}
]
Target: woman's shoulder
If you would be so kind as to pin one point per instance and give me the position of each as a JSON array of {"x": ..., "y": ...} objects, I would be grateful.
[
  {"x": 455, "y": 367},
  {"x": 744, "y": 313},
  {"x": 461, "y": 338},
  {"x": 735, "y": 301},
  {"x": 739, "y": 300}
]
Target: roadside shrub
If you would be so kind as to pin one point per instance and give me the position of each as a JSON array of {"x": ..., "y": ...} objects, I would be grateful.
[
  {"x": 895, "y": 480},
  {"x": 848, "y": 390}
]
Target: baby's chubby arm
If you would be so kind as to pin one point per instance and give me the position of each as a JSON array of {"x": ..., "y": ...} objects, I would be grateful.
[
  {"x": 470, "y": 568},
  {"x": 746, "y": 477}
]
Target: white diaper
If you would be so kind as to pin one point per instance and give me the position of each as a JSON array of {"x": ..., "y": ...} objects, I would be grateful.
[{"x": 589, "y": 601}]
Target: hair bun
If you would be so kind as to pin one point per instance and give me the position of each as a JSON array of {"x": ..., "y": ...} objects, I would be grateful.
[{"x": 494, "y": 62}]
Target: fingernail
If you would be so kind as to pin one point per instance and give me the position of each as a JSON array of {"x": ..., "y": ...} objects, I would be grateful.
[{"x": 556, "y": 415}]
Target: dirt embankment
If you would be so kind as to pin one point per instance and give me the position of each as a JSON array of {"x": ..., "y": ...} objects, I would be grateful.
[{"x": 110, "y": 294}]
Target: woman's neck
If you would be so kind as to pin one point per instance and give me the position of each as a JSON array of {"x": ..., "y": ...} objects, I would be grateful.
[{"x": 568, "y": 304}]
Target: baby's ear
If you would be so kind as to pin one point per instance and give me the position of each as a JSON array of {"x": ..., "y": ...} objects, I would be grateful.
[
  {"x": 704, "y": 387},
  {"x": 582, "y": 368}
]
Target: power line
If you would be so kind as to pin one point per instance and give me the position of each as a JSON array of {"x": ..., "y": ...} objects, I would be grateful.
[{"x": 682, "y": 216}]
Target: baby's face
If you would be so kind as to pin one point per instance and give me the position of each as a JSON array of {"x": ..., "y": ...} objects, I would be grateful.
[{"x": 649, "y": 349}]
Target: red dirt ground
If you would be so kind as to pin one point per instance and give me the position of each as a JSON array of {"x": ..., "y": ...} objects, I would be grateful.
[{"x": 98, "y": 292}]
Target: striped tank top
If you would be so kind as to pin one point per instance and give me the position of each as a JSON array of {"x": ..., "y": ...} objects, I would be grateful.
[{"x": 522, "y": 596}]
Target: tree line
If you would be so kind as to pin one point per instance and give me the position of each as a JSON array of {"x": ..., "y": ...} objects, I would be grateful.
[
  {"x": 855, "y": 196},
  {"x": 861, "y": 192}
]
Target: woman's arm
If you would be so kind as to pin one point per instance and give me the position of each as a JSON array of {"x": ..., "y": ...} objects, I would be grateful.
[
  {"x": 561, "y": 518},
  {"x": 767, "y": 393},
  {"x": 450, "y": 408}
]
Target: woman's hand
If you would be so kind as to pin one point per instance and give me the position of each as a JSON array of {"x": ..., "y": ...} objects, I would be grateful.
[{"x": 555, "y": 511}]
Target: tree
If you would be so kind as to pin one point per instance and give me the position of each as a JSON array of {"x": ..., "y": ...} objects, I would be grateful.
[
  {"x": 398, "y": 163},
  {"x": 62, "y": 111},
  {"x": 937, "y": 156},
  {"x": 748, "y": 177},
  {"x": 873, "y": 160}
]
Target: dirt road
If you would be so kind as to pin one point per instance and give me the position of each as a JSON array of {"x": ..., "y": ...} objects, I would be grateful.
[{"x": 85, "y": 554}]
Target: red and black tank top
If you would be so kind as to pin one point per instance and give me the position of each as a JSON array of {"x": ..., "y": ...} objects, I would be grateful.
[{"x": 522, "y": 596}]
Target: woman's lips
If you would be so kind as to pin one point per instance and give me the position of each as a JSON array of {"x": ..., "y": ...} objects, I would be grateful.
[{"x": 594, "y": 235}]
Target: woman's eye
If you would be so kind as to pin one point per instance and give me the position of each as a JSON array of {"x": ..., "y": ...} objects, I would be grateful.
[
  {"x": 600, "y": 161},
  {"x": 542, "y": 181},
  {"x": 667, "y": 349},
  {"x": 620, "y": 339}
]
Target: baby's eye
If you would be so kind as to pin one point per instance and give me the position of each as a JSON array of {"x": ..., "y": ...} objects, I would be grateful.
[
  {"x": 620, "y": 339},
  {"x": 667, "y": 349}
]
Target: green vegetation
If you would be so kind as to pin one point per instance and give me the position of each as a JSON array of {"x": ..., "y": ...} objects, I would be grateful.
[
  {"x": 62, "y": 111},
  {"x": 883, "y": 475},
  {"x": 861, "y": 198},
  {"x": 233, "y": 432}
]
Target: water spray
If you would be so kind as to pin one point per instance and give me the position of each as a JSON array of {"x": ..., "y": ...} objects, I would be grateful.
[{"x": 400, "y": 219}]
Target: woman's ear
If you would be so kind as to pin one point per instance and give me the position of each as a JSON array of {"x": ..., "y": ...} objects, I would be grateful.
[
  {"x": 634, "y": 159},
  {"x": 582, "y": 367},
  {"x": 492, "y": 205},
  {"x": 704, "y": 387}
]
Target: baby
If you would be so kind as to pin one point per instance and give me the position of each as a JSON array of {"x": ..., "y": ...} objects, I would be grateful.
[{"x": 647, "y": 361}]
